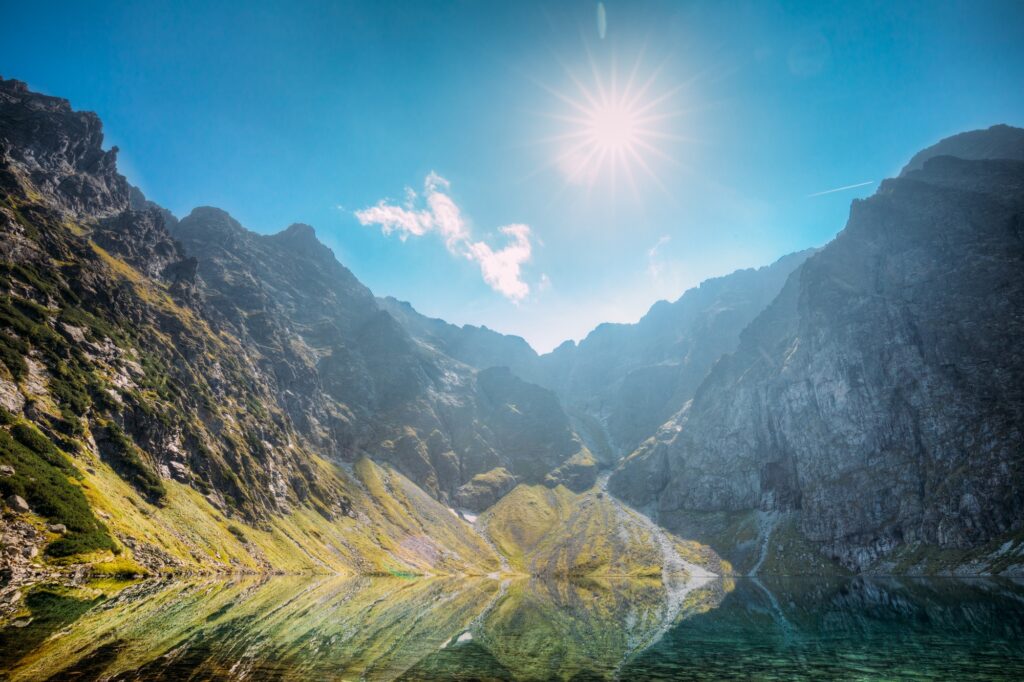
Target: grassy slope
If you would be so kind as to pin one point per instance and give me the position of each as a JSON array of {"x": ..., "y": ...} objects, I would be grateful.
[
  {"x": 553, "y": 531},
  {"x": 114, "y": 504},
  {"x": 393, "y": 533}
]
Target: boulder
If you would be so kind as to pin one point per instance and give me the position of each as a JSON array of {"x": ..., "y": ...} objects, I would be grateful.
[{"x": 17, "y": 503}]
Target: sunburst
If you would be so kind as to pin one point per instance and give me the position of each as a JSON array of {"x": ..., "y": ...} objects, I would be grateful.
[{"x": 614, "y": 130}]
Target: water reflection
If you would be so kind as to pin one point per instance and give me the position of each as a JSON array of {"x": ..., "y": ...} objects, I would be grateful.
[{"x": 528, "y": 629}]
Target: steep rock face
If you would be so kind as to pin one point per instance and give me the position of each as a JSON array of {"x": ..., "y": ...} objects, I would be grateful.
[
  {"x": 623, "y": 380},
  {"x": 59, "y": 152},
  {"x": 352, "y": 379},
  {"x": 881, "y": 396},
  {"x": 631, "y": 378},
  {"x": 136, "y": 422}
]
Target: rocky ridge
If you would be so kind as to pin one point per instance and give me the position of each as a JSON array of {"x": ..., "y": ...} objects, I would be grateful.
[{"x": 878, "y": 400}]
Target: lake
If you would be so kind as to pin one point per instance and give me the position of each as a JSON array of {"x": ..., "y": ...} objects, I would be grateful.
[{"x": 292, "y": 628}]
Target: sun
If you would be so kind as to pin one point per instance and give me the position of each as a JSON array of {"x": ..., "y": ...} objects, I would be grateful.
[{"x": 613, "y": 130}]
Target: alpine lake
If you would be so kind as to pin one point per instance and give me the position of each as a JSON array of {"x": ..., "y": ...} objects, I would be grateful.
[{"x": 414, "y": 628}]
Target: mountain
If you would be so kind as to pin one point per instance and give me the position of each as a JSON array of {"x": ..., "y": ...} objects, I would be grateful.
[
  {"x": 873, "y": 412},
  {"x": 353, "y": 381},
  {"x": 997, "y": 142},
  {"x": 623, "y": 381},
  {"x": 183, "y": 396},
  {"x": 631, "y": 378},
  {"x": 190, "y": 396},
  {"x": 187, "y": 396},
  {"x": 138, "y": 430}
]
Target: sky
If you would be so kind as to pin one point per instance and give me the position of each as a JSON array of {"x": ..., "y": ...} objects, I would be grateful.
[{"x": 538, "y": 168}]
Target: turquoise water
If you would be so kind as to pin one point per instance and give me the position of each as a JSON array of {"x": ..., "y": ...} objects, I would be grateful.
[{"x": 481, "y": 629}]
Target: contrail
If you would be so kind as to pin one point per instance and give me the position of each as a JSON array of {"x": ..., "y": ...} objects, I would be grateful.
[{"x": 840, "y": 189}]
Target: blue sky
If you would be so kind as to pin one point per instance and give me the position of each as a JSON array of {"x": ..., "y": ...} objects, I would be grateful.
[{"x": 312, "y": 112}]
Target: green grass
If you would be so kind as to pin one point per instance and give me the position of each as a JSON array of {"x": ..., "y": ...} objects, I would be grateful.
[
  {"x": 126, "y": 459},
  {"x": 43, "y": 476},
  {"x": 237, "y": 532}
]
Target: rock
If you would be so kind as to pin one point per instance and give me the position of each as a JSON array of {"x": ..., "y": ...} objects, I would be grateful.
[
  {"x": 179, "y": 471},
  {"x": 17, "y": 503},
  {"x": 59, "y": 528},
  {"x": 6, "y": 470},
  {"x": 483, "y": 490},
  {"x": 11, "y": 398},
  {"x": 880, "y": 397},
  {"x": 30, "y": 552}
]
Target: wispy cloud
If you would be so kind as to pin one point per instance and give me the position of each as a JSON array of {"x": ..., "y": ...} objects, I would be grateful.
[
  {"x": 654, "y": 264},
  {"x": 841, "y": 189},
  {"x": 437, "y": 212}
]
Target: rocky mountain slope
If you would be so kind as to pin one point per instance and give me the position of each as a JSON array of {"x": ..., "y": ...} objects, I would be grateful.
[
  {"x": 139, "y": 432},
  {"x": 623, "y": 381},
  {"x": 352, "y": 380},
  {"x": 189, "y": 396},
  {"x": 182, "y": 396},
  {"x": 876, "y": 407}
]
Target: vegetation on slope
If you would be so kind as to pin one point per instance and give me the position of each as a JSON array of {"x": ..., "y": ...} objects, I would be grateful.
[{"x": 554, "y": 531}]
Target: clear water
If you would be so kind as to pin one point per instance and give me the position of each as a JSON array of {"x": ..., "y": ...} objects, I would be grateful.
[{"x": 480, "y": 629}]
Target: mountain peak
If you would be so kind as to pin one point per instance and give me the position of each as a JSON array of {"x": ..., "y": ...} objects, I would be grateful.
[
  {"x": 997, "y": 142},
  {"x": 301, "y": 238},
  {"x": 211, "y": 221},
  {"x": 299, "y": 231}
]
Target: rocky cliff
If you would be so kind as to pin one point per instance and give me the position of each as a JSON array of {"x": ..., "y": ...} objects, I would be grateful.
[
  {"x": 875, "y": 408},
  {"x": 354, "y": 381},
  {"x": 193, "y": 396},
  {"x": 142, "y": 427},
  {"x": 623, "y": 381}
]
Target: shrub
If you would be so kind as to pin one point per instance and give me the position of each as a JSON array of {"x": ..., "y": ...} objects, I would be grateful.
[
  {"x": 237, "y": 532},
  {"x": 31, "y": 437},
  {"x": 126, "y": 459},
  {"x": 41, "y": 477}
]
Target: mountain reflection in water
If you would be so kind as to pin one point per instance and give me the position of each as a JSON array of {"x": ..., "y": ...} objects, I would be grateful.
[{"x": 291, "y": 628}]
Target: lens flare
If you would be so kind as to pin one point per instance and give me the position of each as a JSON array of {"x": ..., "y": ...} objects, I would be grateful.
[{"x": 613, "y": 130}]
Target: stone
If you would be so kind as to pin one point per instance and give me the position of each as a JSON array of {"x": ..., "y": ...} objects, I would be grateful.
[
  {"x": 6, "y": 470},
  {"x": 179, "y": 471},
  {"x": 30, "y": 552},
  {"x": 58, "y": 528},
  {"x": 17, "y": 503}
]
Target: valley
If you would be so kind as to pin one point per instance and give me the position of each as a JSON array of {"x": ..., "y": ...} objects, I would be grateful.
[{"x": 185, "y": 397}]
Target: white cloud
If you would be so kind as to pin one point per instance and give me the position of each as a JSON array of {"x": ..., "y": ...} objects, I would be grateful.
[{"x": 501, "y": 269}]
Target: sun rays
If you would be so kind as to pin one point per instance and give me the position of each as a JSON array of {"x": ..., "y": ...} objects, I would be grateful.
[{"x": 614, "y": 130}]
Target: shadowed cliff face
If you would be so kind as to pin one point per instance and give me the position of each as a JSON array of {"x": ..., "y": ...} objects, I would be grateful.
[
  {"x": 881, "y": 395},
  {"x": 623, "y": 381},
  {"x": 353, "y": 380},
  {"x": 630, "y": 378},
  {"x": 182, "y": 412}
]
